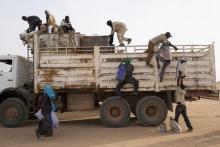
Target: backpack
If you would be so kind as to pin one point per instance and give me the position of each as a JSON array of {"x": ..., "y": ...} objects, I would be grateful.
[{"x": 121, "y": 73}]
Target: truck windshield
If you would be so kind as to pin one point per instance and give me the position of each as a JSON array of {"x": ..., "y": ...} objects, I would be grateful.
[{"x": 5, "y": 65}]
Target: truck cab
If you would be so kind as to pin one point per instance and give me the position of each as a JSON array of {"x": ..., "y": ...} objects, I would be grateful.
[
  {"x": 14, "y": 97},
  {"x": 13, "y": 71}
]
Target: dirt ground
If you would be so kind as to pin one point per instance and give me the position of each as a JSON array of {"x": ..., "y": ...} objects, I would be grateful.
[{"x": 89, "y": 131}]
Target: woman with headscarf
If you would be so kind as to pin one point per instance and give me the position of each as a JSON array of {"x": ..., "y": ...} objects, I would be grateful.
[{"x": 47, "y": 106}]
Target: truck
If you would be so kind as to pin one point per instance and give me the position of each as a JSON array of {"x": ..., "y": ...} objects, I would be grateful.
[{"x": 82, "y": 70}]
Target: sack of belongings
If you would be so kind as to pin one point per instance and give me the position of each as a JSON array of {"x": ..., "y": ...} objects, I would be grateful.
[
  {"x": 121, "y": 73},
  {"x": 54, "y": 117},
  {"x": 175, "y": 127}
]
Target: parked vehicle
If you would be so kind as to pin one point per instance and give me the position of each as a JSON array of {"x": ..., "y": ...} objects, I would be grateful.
[{"x": 84, "y": 77}]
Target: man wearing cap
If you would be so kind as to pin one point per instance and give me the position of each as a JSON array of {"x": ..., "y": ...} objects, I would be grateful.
[
  {"x": 33, "y": 22},
  {"x": 155, "y": 42},
  {"x": 120, "y": 28}
]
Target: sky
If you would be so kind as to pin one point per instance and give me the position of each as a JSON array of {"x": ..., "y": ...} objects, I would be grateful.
[{"x": 189, "y": 21}]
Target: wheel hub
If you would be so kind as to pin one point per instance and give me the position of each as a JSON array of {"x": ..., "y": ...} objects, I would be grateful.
[
  {"x": 151, "y": 111},
  {"x": 11, "y": 113},
  {"x": 115, "y": 112}
]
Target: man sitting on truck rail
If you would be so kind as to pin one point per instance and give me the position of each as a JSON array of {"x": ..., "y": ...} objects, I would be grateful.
[
  {"x": 153, "y": 45},
  {"x": 165, "y": 58},
  {"x": 127, "y": 77},
  {"x": 181, "y": 70},
  {"x": 66, "y": 26}
]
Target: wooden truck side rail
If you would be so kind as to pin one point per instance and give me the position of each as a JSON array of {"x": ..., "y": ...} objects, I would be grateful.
[{"x": 94, "y": 68}]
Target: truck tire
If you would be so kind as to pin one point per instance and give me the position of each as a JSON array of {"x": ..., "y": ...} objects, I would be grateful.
[
  {"x": 151, "y": 111},
  {"x": 115, "y": 112},
  {"x": 13, "y": 112}
]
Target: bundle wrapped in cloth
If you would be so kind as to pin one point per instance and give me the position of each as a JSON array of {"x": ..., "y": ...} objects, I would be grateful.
[{"x": 175, "y": 127}]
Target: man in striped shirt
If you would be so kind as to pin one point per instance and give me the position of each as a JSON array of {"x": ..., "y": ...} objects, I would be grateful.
[{"x": 165, "y": 58}]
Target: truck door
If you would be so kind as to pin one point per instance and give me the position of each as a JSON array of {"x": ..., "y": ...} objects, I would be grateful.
[{"x": 6, "y": 73}]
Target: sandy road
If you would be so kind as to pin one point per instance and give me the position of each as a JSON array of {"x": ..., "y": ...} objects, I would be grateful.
[{"x": 204, "y": 114}]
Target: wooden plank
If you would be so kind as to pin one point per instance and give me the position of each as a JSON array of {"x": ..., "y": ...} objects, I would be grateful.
[
  {"x": 69, "y": 79},
  {"x": 36, "y": 63},
  {"x": 97, "y": 66},
  {"x": 83, "y": 65},
  {"x": 169, "y": 69},
  {"x": 121, "y": 56},
  {"x": 69, "y": 72},
  {"x": 143, "y": 64},
  {"x": 65, "y": 61},
  {"x": 112, "y": 84},
  {"x": 115, "y": 69},
  {"x": 66, "y": 57},
  {"x": 112, "y": 77},
  {"x": 64, "y": 85},
  {"x": 144, "y": 55}
]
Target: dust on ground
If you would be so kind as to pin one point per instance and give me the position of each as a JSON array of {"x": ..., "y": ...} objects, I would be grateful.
[{"x": 89, "y": 131}]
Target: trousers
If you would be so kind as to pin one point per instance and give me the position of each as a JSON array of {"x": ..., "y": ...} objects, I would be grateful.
[
  {"x": 150, "y": 52},
  {"x": 165, "y": 64},
  {"x": 131, "y": 81},
  {"x": 181, "y": 109},
  {"x": 120, "y": 35}
]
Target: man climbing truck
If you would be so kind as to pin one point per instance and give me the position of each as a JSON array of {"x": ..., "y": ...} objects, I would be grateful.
[{"x": 84, "y": 76}]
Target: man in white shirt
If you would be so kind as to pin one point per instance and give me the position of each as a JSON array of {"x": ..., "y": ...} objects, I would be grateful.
[{"x": 181, "y": 106}]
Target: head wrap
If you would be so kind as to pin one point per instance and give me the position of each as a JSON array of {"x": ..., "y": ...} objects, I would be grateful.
[{"x": 48, "y": 90}]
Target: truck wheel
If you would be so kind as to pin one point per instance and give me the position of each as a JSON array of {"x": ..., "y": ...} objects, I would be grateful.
[
  {"x": 151, "y": 111},
  {"x": 115, "y": 112},
  {"x": 13, "y": 112}
]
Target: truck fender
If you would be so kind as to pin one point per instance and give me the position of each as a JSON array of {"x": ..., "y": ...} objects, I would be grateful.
[{"x": 20, "y": 93}]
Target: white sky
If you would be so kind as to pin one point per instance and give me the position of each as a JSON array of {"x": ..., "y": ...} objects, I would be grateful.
[{"x": 189, "y": 21}]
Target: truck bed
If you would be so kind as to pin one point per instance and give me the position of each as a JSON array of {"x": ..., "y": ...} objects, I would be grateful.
[{"x": 94, "y": 68}]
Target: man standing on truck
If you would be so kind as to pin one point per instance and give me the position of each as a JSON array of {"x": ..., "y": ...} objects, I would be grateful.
[
  {"x": 154, "y": 43},
  {"x": 120, "y": 28},
  {"x": 165, "y": 58},
  {"x": 33, "y": 22},
  {"x": 181, "y": 106},
  {"x": 50, "y": 21},
  {"x": 129, "y": 68}
]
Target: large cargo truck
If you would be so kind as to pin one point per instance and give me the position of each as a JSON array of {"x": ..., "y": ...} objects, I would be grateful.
[{"x": 84, "y": 77}]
